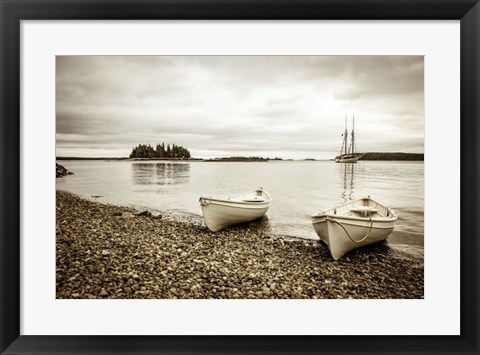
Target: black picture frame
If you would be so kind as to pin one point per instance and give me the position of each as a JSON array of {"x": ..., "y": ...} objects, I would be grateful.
[{"x": 12, "y": 12}]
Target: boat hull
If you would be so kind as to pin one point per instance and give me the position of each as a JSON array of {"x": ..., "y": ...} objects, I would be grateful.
[
  {"x": 353, "y": 224},
  {"x": 220, "y": 214},
  {"x": 347, "y": 160},
  {"x": 333, "y": 232}
]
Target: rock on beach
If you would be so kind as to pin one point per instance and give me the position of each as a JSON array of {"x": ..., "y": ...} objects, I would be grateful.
[
  {"x": 102, "y": 254},
  {"x": 60, "y": 171}
]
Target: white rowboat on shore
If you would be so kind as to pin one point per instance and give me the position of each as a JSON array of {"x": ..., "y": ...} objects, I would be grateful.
[
  {"x": 221, "y": 213},
  {"x": 353, "y": 224}
]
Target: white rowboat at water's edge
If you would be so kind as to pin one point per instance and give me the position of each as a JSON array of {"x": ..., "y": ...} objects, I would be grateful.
[
  {"x": 221, "y": 213},
  {"x": 353, "y": 224}
]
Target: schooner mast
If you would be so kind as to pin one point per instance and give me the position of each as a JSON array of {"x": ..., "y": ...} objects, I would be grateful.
[
  {"x": 352, "y": 141},
  {"x": 345, "y": 138},
  {"x": 348, "y": 152}
]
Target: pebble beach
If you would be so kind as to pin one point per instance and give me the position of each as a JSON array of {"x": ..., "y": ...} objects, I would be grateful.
[{"x": 115, "y": 252}]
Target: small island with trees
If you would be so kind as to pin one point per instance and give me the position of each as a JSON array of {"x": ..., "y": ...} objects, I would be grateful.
[{"x": 146, "y": 151}]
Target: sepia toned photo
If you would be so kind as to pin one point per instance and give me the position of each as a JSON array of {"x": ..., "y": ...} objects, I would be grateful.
[{"x": 240, "y": 177}]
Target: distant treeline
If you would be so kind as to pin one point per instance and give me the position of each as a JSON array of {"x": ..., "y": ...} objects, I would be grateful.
[
  {"x": 147, "y": 151},
  {"x": 392, "y": 156},
  {"x": 241, "y": 159}
]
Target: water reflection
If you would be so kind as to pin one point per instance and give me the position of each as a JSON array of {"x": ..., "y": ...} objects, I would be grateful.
[
  {"x": 160, "y": 173},
  {"x": 348, "y": 171}
]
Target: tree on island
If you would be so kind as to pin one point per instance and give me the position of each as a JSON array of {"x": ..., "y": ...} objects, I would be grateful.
[{"x": 147, "y": 151}]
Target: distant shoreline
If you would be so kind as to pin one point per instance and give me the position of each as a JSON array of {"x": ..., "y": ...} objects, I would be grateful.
[
  {"x": 393, "y": 156},
  {"x": 371, "y": 156},
  {"x": 128, "y": 159}
]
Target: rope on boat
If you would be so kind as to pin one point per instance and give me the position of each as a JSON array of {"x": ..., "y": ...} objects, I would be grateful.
[{"x": 353, "y": 240}]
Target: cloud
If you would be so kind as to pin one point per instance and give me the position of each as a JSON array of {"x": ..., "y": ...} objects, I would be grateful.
[{"x": 221, "y": 105}]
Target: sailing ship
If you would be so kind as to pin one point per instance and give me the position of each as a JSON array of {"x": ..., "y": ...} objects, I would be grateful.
[{"x": 348, "y": 153}]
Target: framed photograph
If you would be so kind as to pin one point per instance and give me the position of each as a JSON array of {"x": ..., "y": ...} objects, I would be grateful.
[{"x": 248, "y": 177}]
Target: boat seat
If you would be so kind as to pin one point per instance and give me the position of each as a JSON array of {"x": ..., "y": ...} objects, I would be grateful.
[
  {"x": 254, "y": 199},
  {"x": 364, "y": 211}
]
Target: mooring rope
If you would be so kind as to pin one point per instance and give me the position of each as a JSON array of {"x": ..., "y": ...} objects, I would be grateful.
[{"x": 353, "y": 240}]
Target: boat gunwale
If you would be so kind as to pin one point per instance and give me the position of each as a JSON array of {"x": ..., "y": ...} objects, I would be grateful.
[
  {"x": 245, "y": 203},
  {"x": 363, "y": 219},
  {"x": 322, "y": 214},
  {"x": 253, "y": 204},
  {"x": 376, "y": 226}
]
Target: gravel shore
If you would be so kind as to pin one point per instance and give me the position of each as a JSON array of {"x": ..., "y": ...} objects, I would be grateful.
[{"x": 105, "y": 251}]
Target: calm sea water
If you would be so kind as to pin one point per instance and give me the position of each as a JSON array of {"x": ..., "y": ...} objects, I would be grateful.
[{"x": 298, "y": 189}]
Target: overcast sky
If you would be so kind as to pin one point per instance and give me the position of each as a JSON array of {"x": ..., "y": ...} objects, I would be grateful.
[{"x": 286, "y": 106}]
